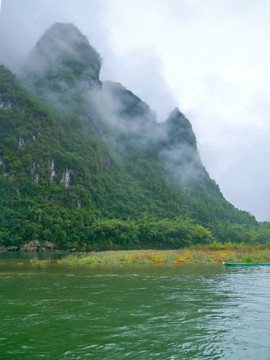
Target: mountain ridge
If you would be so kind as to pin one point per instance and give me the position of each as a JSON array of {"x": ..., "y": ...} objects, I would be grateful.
[{"x": 85, "y": 164}]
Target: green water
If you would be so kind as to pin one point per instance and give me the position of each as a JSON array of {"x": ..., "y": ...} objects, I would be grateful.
[{"x": 133, "y": 312}]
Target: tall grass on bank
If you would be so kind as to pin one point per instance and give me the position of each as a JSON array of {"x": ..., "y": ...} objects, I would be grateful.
[
  {"x": 216, "y": 245},
  {"x": 215, "y": 253}
]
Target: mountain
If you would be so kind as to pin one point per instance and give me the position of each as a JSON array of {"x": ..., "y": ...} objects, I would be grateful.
[{"x": 85, "y": 164}]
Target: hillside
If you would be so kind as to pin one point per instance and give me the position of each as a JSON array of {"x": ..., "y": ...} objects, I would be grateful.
[{"x": 85, "y": 164}]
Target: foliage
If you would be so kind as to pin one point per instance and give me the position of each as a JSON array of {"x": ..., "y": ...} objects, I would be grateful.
[
  {"x": 249, "y": 254},
  {"x": 68, "y": 176}
]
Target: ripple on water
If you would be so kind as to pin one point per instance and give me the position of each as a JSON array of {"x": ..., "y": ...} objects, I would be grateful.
[{"x": 140, "y": 313}]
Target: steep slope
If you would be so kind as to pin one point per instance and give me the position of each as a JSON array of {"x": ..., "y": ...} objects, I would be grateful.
[
  {"x": 85, "y": 164},
  {"x": 61, "y": 183},
  {"x": 63, "y": 57}
]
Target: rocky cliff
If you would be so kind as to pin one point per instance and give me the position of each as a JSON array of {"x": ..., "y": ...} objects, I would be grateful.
[{"x": 86, "y": 164}]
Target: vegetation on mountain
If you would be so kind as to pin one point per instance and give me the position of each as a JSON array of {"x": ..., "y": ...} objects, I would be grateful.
[{"x": 85, "y": 165}]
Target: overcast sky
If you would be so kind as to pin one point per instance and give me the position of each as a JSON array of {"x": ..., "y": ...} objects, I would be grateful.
[{"x": 211, "y": 58}]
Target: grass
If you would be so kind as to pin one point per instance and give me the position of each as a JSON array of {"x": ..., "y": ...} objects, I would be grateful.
[{"x": 202, "y": 254}]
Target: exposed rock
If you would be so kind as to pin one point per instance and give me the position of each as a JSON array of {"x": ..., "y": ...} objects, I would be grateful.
[
  {"x": 66, "y": 177},
  {"x": 36, "y": 179},
  {"x": 12, "y": 248},
  {"x": 49, "y": 245},
  {"x": 33, "y": 168},
  {"x": 51, "y": 166},
  {"x": 21, "y": 141},
  {"x": 35, "y": 245},
  {"x": 5, "y": 104}
]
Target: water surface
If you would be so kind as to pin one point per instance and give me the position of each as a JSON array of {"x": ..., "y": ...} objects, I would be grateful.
[{"x": 133, "y": 312}]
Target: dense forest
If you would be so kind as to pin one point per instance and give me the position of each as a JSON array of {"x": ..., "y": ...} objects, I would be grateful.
[{"x": 84, "y": 164}]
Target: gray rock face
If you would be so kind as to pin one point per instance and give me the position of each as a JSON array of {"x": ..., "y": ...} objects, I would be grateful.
[{"x": 35, "y": 245}]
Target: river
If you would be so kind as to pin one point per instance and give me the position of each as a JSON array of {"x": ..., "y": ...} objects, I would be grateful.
[{"x": 133, "y": 312}]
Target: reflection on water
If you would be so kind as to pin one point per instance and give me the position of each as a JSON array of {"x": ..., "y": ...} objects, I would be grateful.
[{"x": 133, "y": 312}]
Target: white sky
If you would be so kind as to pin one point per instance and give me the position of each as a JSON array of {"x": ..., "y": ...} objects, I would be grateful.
[{"x": 210, "y": 58}]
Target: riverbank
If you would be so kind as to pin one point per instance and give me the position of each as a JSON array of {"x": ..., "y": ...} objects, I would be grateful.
[{"x": 189, "y": 255}]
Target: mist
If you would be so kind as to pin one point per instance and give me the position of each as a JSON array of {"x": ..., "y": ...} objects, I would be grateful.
[{"x": 210, "y": 59}]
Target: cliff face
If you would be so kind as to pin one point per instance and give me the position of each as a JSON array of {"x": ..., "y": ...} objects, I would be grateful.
[
  {"x": 64, "y": 69},
  {"x": 75, "y": 151}
]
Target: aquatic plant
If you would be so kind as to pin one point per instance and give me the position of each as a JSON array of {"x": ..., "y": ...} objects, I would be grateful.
[
  {"x": 247, "y": 259},
  {"x": 36, "y": 261},
  {"x": 181, "y": 256}
]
